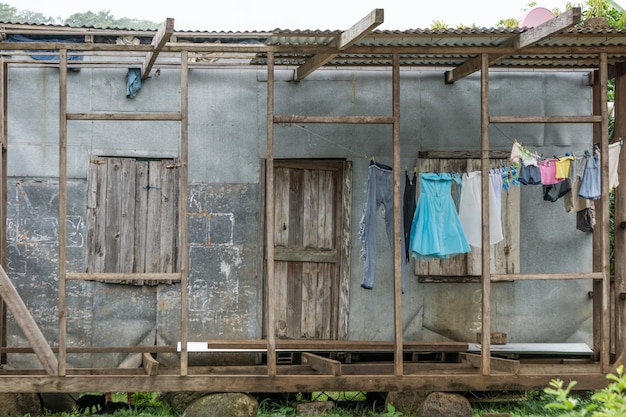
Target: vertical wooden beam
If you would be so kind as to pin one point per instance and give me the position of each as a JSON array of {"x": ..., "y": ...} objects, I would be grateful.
[
  {"x": 486, "y": 249},
  {"x": 597, "y": 238},
  {"x": 398, "y": 256},
  {"x": 619, "y": 263},
  {"x": 604, "y": 215},
  {"x": 4, "y": 83},
  {"x": 184, "y": 179},
  {"x": 269, "y": 219},
  {"x": 62, "y": 210}
]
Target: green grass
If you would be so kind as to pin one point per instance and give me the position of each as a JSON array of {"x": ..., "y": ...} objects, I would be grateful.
[
  {"x": 145, "y": 404},
  {"x": 526, "y": 404}
]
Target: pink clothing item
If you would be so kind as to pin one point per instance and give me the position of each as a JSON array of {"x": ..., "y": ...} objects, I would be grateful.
[{"x": 547, "y": 169}]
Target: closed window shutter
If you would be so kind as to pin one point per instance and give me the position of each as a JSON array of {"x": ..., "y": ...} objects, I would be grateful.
[{"x": 505, "y": 256}]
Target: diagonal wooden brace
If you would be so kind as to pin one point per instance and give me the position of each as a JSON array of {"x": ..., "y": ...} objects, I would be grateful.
[{"x": 27, "y": 324}]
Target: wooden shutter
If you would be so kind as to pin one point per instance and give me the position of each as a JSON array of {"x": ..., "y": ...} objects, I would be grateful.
[
  {"x": 132, "y": 215},
  {"x": 505, "y": 256}
]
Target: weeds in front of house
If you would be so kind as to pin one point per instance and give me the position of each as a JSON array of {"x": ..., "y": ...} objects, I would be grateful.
[{"x": 608, "y": 402}]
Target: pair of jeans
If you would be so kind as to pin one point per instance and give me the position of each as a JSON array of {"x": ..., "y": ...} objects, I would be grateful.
[{"x": 379, "y": 192}]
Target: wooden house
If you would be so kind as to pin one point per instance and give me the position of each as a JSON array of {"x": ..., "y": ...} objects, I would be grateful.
[{"x": 211, "y": 184}]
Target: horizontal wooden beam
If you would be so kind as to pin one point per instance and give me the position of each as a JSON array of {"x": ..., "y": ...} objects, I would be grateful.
[
  {"x": 96, "y": 349},
  {"x": 335, "y": 119},
  {"x": 433, "y": 381},
  {"x": 555, "y": 276},
  {"x": 305, "y": 255},
  {"x": 545, "y": 119},
  {"x": 453, "y": 154},
  {"x": 126, "y": 116},
  {"x": 335, "y": 345},
  {"x": 121, "y": 276}
]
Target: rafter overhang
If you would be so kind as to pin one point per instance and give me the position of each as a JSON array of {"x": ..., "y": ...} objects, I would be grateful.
[
  {"x": 523, "y": 40},
  {"x": 158, "y": 42},
  {"x": 343, "y": 41}
]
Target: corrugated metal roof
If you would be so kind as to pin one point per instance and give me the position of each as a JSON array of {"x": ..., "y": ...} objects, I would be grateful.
[{"x": 574, "y": 47}]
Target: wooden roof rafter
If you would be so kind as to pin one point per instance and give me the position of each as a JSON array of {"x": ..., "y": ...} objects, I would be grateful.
[
  {"x": 343, "y": 41},
  {"x": 158, "y": 42},
  {"x": 525, "y": 39}
]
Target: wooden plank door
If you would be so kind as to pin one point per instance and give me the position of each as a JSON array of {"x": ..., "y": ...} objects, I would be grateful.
[{"x": 310, "y": 255}]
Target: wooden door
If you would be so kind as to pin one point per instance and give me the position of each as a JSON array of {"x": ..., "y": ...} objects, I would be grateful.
[{"x": 312, "y": 203}]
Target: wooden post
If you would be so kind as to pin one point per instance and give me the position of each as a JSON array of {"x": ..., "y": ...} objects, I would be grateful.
[
  {"x": 62, "y": 210},
  {"x": 597, "y": 239},
  {"x": 184, "y": 174},
  {"x": 604, "y": 215},
  {"x": 619, "y": 263},
  {"x": 485, "y": 185},
  {"x": 398, "y": 256},
  {"x": 269, "y": 219},
  {"x": 4, "y": 68}
]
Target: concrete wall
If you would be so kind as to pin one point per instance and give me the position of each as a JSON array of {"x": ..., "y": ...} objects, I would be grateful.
[{"x": 227, "y": 138}]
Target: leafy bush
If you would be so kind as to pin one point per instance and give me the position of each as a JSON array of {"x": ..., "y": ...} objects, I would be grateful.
[{"x": 608, "y": 402}]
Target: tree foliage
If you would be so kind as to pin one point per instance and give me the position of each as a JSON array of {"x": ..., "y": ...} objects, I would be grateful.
[{"x": 101, "y": 19}]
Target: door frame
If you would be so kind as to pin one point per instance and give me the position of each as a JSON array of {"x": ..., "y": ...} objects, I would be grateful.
[{"x": 343, "y": 241}]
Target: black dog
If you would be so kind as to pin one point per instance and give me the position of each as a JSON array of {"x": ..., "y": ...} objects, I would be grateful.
[{"x": 90, "y": 402}]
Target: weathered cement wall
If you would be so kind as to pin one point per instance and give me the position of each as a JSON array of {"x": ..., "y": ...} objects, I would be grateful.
[{"x": 227, "y": 137}]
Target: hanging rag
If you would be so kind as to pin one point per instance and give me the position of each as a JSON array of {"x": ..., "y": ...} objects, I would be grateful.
[{"x": 133, "y": 82}]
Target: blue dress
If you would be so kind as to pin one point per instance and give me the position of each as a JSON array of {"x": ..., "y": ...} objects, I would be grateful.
[{"x": 436, "y": 232}]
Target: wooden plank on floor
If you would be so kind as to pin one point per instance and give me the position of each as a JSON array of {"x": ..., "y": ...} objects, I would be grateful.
[
  {"x": 321, "y": 364},
  {"x": 150, "y": 364},
  {"x": 497, "y": 364}
]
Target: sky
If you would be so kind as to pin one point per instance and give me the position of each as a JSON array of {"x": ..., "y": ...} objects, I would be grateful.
[{"x": 247, "y": 15}]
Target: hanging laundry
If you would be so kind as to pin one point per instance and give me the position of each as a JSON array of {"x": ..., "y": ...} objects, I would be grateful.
[
  {"x": 504, "y": 182},
  {"x": 470, "y": 211},
  {"x": 514, "y": 176},
  {"x": 529, "y": 175},
  {"x": 379, "y": 191},
  {"x": 499, "y": 180},
  {"x": 547, "y": 169},
  {"x": 590, "y": 182},
  {"x": 614, "y": 151},
  {"x": 563, "y": 164},
  {"x": 586, "y": 219},
  {"x": 553, "y": 192},
  {"x": 408, "y": 209},
  {"x": 516, "y": 153},
  {"x": 572, "y": 201},
  {"x": 436, "y": 232}
]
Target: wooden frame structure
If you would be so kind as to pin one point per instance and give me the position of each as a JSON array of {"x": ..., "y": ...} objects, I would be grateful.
[{"x": 557, "y": 44}]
